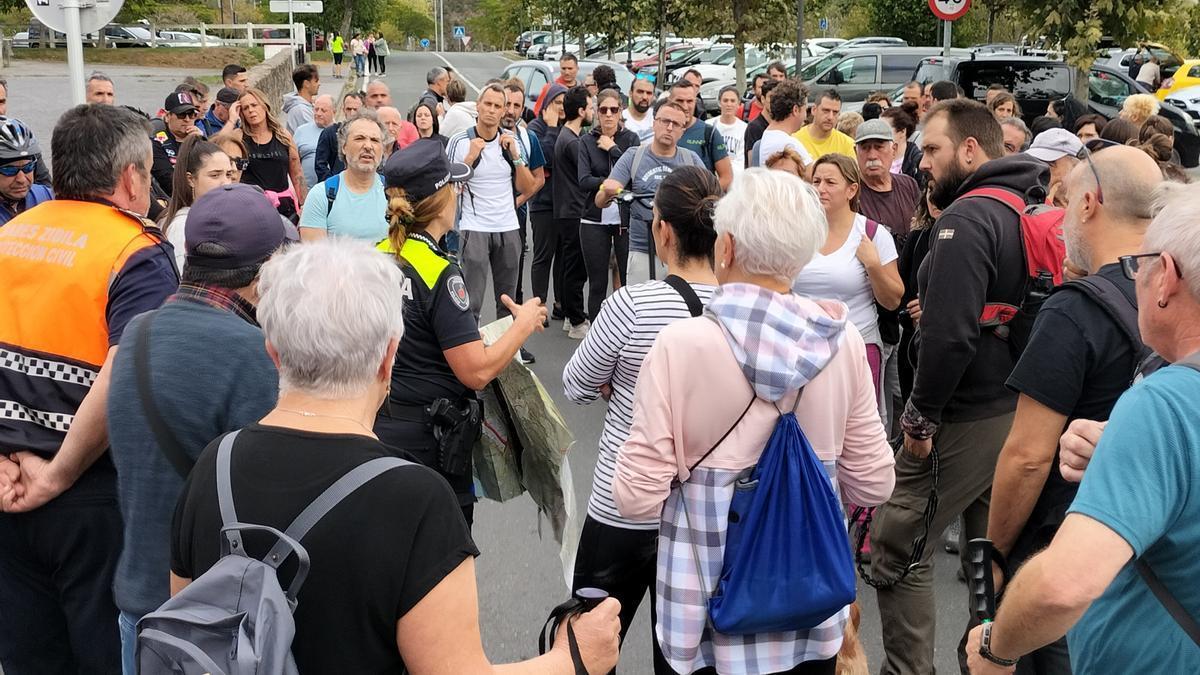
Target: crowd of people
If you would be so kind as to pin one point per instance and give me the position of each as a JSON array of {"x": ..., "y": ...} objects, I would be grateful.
[{"x": 869, "y": 276}]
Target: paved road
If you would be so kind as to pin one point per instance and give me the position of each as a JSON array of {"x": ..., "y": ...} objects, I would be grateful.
[{"x": 520, "y": 578}]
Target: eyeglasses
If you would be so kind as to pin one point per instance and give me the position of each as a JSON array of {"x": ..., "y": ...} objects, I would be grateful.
[
  {"x": 1132, "y": 264},
  {"x": 241, "y": 163},
  {"x": 1086, "y": 155},
  {"x": 670, "y": 124},
  {"x": 11, "y": 170},
  {"x": 605, "y": 110}
]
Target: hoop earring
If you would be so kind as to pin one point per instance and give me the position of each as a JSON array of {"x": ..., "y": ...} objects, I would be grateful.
[{"x": 1162, "y": 304}]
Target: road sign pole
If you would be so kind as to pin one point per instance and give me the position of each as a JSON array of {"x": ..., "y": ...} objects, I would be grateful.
[
  {"x": 946, "y": 50},
  {"x": 74, "y": 49},
  {"x": 799, "y": 35},
  {"x": 292, "y": 33}
]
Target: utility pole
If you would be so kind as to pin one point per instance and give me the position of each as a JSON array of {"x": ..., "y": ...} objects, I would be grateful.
[{"x": 799, "y": 34}]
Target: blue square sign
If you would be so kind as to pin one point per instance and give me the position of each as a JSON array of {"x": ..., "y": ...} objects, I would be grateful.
[
  {"x": 824, "y": 24},
  {"x": 460, "y": 32}
]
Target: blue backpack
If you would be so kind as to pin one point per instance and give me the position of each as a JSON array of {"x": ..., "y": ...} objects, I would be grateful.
[{"x": 787, "y": 563}]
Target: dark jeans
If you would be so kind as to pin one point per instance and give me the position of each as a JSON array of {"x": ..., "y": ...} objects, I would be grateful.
[
  {"x": 574, "y": 271},
  {"x": 382, "y": 62},
  {"x": 57, "y": 613},
  {"x": 522, "y": 221},
  {"x": 546, "y": 260},
  {"x": 622, "y": 563},
  {"x": 401, "y": 430},
  {"x": 598, "y": 242}
]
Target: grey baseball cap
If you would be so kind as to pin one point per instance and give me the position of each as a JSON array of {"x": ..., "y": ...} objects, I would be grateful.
[
  {"x": 1054, "y": 144},
  {"x": 874, "y": 130}
]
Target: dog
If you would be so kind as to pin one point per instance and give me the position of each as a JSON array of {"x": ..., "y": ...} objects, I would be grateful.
[{"x": 851, "y": 659}]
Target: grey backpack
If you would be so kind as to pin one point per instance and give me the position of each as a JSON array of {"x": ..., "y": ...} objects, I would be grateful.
[{"x": 236, "y": 618}]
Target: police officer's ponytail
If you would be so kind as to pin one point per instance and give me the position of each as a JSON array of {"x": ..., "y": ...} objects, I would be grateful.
[{"x": 405, "y": 217}]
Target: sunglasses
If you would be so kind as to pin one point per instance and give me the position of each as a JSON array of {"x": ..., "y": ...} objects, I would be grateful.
[
  {"x": 10, "y": 170},
  {"x": 1086, "y": 155},
  {"x": 241, "y": 163},
  {"x": 649, "y": 77},
  {"x": 188, "y": 115},
  {"x": 606, "y": 110},
  {"x": 1132, "y": 264}
]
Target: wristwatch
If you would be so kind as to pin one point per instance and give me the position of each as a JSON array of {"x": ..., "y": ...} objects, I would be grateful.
[
  {"x": 985, "y": 648},
  {"x": 520, "y": 161}
]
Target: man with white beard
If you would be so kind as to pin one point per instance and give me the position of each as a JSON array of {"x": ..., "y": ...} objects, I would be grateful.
[{"x": 887, "y": 198}]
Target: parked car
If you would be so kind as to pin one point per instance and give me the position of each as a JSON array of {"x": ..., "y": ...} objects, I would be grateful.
[
  {"x": 876, "y": 41},
  {"x": 856, "y": 71},
  {"x": 1035, "y": 81},
  {"x": 673, "y": 53},
  {"x": 537, "y": 45},
  {"x": 21, "y": 39},
  {"x": 821, "y": 45},
  {"x": 1168, "y": 60},
  {"x": 524, "y": 40},
  {"x": 1187, "y": 101},
  {"x": 128, "y": 36},
  {"x": 536, "y": 74},
  {"x": 723, "y": 68},
  {"x": 1188, "y": 75}
]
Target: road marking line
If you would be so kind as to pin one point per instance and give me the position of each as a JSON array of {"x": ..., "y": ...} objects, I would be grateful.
[{"x": 459, "y": 73}]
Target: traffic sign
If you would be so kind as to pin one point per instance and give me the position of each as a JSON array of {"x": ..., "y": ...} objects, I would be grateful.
[
  {"x": 460, "y": 32},
  {"x": 297, "y": 6},
  {"x": 93, "y": 14},
  {"x": 424, "y": 43},
  {"x": 949, "y": 10},
  {"x": 823, "y": 24}
]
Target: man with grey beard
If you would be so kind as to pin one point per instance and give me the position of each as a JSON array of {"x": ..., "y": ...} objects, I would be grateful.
[{"x": 1078, "y": 361}]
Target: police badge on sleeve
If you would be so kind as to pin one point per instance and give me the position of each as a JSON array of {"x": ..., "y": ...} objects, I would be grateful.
[{"x": 458, "y": 292}]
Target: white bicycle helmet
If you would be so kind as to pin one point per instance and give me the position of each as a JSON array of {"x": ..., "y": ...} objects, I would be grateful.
[{"x": 16, "y": 141}]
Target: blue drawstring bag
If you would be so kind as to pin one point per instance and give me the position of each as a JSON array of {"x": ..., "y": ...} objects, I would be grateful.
[{"x": 787, "y": 563}]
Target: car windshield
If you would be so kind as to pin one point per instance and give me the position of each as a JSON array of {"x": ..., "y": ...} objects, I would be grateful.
[
  {"x": 714, "y": 52},
  {"x": 930, "y": 70},
  {"x": 811, "y": 70},
  {"x": 1107, "y": 89}
]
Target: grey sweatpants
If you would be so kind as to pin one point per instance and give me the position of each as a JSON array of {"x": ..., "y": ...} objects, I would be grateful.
[
  {"x": 967, "y": 453},
  {"x": 497, "y": 252}
]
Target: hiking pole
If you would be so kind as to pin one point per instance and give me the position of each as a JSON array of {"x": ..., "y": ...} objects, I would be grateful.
[
  {"x": 983, "y": 590},
  {"x": 582, "y": 601}
]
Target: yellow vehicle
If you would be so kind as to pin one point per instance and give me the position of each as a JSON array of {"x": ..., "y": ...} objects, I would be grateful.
[{"x": 1188, "y": 75}]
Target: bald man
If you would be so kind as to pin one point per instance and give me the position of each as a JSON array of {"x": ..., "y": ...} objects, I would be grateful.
[
  {"x": 308, "y": 136},
  {"x": 401, "y": 132},
  {"x": 1079, "y": 360},
  {"x": 378, "y": 95}
]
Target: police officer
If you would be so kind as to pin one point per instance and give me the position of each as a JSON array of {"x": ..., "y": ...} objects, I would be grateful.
[
  {"x": 20, "y": 156},
  {"x": 432, "y": 411}
]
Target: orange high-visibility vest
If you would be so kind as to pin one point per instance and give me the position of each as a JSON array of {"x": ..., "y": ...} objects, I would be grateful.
[{"x": 58, "y": 261}]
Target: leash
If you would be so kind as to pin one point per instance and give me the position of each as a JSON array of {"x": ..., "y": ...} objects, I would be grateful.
[{"x": 918, "y": 545}]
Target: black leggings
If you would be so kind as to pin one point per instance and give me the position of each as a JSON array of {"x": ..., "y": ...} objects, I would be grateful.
[
  {"x": 546, "y": 261},
  {"x": 622, "y": 563},
  {"x": 599, "y": 242}
]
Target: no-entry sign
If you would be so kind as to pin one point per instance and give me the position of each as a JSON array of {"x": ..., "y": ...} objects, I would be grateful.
[{"x": 949, "y": 10}]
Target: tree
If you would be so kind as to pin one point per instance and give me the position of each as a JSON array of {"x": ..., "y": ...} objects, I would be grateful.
[
  {"x": 908, "y": 19},
  {"x": 409, "y": 20}
]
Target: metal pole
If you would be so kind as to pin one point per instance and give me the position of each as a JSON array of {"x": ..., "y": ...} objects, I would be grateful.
[
  {"x": 799, "y": 34},
  {"x": 946, "y": 51},
  {"x": 74, "y": 49},
  {"x": 292, "y": 34}
]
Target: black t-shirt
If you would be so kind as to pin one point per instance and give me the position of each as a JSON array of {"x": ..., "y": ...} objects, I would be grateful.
[
  {"x": 754, "y": 133},
  {"x": 166, "y": 148},
  {"x": 437, "y": 317},
  {"x": 1078, "y": 362},
  {"x": 270, "y": 164},
  {"x": 894, "y": 208},
  {"x": 374, "y": 556}
]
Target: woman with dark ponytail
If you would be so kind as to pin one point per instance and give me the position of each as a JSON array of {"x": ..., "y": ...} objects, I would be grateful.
[
  {"x": 618, "y": 554},
  {"x": 441, "y": 361}
]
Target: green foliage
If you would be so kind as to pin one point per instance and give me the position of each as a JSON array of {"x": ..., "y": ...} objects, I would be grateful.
[
  {"x": 1079, "y": 24},
  {"x": 908, "y": 19},
  {"x": 496, "y": 23}
]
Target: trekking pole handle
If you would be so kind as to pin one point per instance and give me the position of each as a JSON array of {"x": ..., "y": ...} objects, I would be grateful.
[{"x": 983, "y": 591}]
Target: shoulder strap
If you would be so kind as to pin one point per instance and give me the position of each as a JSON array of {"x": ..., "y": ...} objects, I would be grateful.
[
  {"x": 1169, "y": 602},
  {"x": 872, "y": 229},
  {"x": 723, "y": 436},
  {"x": 331, "y": 189},
  {"x": 332, "y": 496},
  {"x": 1192, "y": 361},
  {"x": 1116, "y": 304},
  {"x": 688, "y": 293},
  {"x": 638, "y": 156},
  {"x": 756, "y": 154},
  {"x": 1009, "y": 199},
  {"x": 225, "y": 490},
  {"x": 163, "y": 436}
]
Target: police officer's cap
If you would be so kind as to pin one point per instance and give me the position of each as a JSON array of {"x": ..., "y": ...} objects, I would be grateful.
[{"x": 422, "y": 169}]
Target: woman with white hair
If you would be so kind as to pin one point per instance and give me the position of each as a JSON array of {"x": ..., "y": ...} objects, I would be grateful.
[
  {"x": 761, "y": 346},
  {"x": 391, "y": 587}
]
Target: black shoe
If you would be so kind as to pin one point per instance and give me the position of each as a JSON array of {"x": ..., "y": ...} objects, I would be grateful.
[
  {"x": 557, "y": 314},
  {"x": 524, "y": 356}
]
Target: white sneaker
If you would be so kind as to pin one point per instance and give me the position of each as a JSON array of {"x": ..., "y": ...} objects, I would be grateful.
[
  {"x": 566, "y": 325},
  {"x": 580, "y": 331}
]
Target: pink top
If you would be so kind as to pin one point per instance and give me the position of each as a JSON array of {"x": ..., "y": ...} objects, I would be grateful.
[{"x": 681, "y": 408}]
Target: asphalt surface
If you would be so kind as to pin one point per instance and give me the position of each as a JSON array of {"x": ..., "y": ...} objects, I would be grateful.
[{"x": 520, "y": 576}]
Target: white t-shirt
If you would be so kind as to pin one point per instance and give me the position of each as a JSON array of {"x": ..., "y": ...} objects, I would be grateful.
[
  {"x": 774, "y": 140},
  {"x": 1149, "y": 73},
  {"x": 175, "y": 235},
  {"x": 644, "y": 129},
  {"x": 487, "y": 203},
  {"x": 735, "y": 140},
  {"x": 840, "y": 276}
]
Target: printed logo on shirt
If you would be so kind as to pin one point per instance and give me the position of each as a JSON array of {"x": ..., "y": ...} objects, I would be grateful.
[
  {"x": 458, "y": 292},
  {"x": 946, "y": 234}
]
